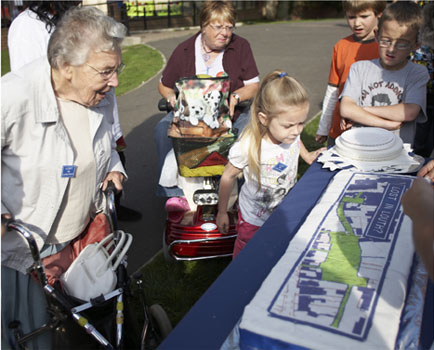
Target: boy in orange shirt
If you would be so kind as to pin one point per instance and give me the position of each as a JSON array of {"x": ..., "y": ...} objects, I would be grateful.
[{"x": 362, "y": 18}]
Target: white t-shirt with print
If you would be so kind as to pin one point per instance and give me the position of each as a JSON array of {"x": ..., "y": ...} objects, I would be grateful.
[{"x": 279, "y": 164}]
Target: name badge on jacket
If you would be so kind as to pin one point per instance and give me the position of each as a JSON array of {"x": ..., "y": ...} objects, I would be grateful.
[{"x": 69, "y": 170}]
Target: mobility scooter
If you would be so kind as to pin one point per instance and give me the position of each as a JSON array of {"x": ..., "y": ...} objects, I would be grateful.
[{"x": 202, "y": 134}]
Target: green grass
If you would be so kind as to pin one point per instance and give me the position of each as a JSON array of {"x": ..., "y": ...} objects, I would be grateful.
[
  {"x": 308, "y": 138},
  {"x": 148, "y": 10},
  {"x": 142, "y": 63},
  {"x": 6, "y": 66},
  {"x": 177, "y": 286}
]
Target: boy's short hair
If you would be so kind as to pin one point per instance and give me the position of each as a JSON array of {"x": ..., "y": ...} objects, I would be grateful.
[
  {"x": 405, "y": 13},
  {"x": 357, "y": 6}
]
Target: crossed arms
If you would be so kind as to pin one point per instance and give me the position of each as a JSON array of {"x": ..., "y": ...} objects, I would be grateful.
[{"x": 387, "y": 117}]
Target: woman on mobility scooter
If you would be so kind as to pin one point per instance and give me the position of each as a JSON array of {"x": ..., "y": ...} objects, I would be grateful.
[
  {"x": 57, "y": 151},
  {"x": 211, "y": 51},
  {"x": 214, "y": 52}
]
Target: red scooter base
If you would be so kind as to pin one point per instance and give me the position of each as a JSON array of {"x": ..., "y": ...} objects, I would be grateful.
[{"x": 197, "y": 237}]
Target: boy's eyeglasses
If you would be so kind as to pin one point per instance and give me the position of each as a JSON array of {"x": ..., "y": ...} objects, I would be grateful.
[
  {"x": 218, "y": 28},
  {"x": 108, "y": 73},
  {"x": 399, "y": 45}
]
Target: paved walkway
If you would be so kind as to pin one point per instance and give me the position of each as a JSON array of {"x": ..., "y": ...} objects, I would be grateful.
[{"x": 302, "y": 49}]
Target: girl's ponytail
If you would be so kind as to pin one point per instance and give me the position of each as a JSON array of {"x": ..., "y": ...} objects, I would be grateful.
[{"x": 276, "y": 91}]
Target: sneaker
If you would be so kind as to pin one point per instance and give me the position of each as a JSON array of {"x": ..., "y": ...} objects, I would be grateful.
[
  {"x": 175, "y": 208},
  {"x": 127, "y": 214}
]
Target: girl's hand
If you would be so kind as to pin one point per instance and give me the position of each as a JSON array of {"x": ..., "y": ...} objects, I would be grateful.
[
  {"x": 222, "y": 221},
  {"x": 117, "y": 177},
  {"x": 311, "y": 156}
]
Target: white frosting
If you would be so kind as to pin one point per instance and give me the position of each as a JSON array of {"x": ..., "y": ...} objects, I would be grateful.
[{"x": 368, "y": 144}]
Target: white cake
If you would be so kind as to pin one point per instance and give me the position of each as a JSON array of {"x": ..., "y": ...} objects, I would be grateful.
[{"x": 368, "y": 144}]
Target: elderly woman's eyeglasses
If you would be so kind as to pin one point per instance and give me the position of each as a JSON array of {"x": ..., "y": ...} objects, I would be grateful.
[
  {"x": 399, "y": 45},
  {"x": 219, "y": 28},
  {"x": 108, "y": 73}
]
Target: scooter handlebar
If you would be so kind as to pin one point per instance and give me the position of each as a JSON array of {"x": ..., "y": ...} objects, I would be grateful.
[{"x": 164, "y": 105}]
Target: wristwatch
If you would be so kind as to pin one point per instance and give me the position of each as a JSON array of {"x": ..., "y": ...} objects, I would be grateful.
[{"x": 237, "y": 97}]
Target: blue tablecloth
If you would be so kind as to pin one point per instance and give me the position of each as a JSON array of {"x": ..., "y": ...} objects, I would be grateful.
[{"x": 212, "y": 318}]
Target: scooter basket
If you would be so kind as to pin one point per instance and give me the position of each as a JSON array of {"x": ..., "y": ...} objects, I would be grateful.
[
  {"x": 202, "y": 156},
  {"x": 201, "y": 126}
]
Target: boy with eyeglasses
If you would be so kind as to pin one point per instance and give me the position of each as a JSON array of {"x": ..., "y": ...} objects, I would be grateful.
[
  {"x": 362, "y": 18},
  {"x": 389, "y": 92}
]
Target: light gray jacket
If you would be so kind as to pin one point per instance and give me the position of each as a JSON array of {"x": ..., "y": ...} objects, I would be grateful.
[{"x": 35, "y": 146}]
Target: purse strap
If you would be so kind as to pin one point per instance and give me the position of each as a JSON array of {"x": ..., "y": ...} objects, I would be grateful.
[
  {"x": 122, "y": 246},
  {"x": 129, "y": 238}
]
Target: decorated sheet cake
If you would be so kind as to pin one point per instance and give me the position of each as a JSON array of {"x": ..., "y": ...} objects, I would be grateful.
[{"x": 342, "y": 281}]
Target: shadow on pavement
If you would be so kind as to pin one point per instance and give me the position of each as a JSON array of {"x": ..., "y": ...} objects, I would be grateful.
[{"x": 140, "y": 193}]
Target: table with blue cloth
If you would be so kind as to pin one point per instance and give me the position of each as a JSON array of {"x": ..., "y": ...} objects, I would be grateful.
[{"x": 217, "y": 312}]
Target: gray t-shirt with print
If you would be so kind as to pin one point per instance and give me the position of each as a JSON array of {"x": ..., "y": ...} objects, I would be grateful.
[{"x": 369, "y": 84}]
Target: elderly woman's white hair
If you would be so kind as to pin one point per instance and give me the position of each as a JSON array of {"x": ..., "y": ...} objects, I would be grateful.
[
  {"x": 80, "y": 32},
  {"x": 427, "y": 28}
]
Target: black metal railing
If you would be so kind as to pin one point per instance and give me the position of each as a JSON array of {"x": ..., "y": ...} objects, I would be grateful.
[{"x": 154, "y": 14}]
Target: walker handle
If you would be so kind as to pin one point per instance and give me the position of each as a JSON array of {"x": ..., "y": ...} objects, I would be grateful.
[
  {"x": 6, "y": 222},
  {"x": 109, "y": 194},
  {"x": 111, "y": 188}
]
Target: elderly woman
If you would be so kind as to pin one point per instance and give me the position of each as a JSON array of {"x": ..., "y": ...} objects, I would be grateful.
[
  {"x": 57, "y": 150},
  {"x": 212, "y": 50},
  {"x": 28, "y": 38}
]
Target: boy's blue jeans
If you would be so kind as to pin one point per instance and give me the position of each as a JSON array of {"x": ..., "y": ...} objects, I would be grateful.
[{"x": 164, "y": 145}]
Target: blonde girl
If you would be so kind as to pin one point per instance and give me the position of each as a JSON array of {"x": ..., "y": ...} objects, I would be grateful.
[{"x": 267, "y": 155}]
